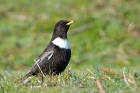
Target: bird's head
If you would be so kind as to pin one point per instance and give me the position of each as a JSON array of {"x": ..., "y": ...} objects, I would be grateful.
[{"x": 61, "y": 28}]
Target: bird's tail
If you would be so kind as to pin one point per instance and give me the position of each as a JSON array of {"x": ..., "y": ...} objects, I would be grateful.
[{"x": 31, "y": 73}]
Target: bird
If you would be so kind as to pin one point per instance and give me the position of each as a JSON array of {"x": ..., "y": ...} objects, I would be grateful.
[{"x": 56, "y": 56}]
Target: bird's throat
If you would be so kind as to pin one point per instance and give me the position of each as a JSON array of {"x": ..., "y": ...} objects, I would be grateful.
[{"x": 62, "y": 43}]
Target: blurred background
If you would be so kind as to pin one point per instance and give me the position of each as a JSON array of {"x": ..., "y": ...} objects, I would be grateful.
[{"x": 106, "y": 32}]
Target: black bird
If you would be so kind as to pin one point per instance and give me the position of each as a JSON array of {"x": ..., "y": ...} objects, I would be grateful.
[{"x": 55, "y": 58}]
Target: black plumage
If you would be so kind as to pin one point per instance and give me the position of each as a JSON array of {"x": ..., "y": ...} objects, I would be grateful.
[{"x": 55, "y": 58}]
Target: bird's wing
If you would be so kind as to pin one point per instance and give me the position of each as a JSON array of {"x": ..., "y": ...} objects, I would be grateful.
[{"x": 46, "y": 55}]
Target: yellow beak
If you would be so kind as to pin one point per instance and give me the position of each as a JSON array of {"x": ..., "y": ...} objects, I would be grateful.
[{"x": 70, "y": 22}]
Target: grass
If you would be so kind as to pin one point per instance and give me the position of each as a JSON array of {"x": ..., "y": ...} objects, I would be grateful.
[
  {"x": 105, "y": 34},
  {"x": 72, "y": 81}
]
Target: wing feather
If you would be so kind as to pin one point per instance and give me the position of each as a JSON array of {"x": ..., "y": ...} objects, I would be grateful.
[{"x": 45, "y": 55}]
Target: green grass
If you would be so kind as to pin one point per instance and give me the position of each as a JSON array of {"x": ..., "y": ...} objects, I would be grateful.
[
  {"x": 105, "y": 34},
  {"x": 70, "y": 82}
]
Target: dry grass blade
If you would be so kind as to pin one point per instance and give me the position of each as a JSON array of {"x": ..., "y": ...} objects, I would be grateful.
[
  {"x": 100, "y": 86},
  {"x": 104, "y": 76},
  {"x": 125, "y": 79},
  {"x": 1, "y": 86},
  {"x": 113, "y": 73},
  {"x": 39, "y": 66},
  {"x": 90, "y": 71},
  {"x": 133, "y": 80},
  {"x": 110, "y": 72},
  {"x": 35, "y": 87},
  {"x": 27, "y": 80}
]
